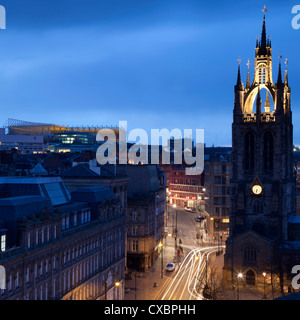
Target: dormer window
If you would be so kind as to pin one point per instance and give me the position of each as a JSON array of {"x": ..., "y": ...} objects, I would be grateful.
[{"x": 3, "y": 242}]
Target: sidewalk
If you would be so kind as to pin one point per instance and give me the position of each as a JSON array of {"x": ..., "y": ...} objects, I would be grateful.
[{"x": 145, "y": 289}]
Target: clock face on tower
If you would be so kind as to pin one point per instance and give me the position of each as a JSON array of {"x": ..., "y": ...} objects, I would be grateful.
[{"x": 257, "y": 189}]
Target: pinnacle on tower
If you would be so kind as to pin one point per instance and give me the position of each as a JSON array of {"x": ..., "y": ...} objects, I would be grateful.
[
  {"x": 263, "y": 40},
  {"x": 248, "y": 76},
  {"x": 279, "y": 79},
  {"x": 239, "y": 78},
  {"x": 286, "y": 82},
  {"x": 258, "y": 106}
]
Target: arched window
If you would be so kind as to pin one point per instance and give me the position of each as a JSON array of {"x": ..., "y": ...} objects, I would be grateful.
[
  {"x": 249, "y": 151},
  {"x": 257, "y": 206},
  {"x": 262, "y": 75},
  {"x": 250, "y": 278},
  {"x": 250, "y": 254},
  {"x": 268, "y": 151}
]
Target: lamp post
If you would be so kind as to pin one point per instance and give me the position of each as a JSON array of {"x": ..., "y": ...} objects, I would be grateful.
[
  {"x": 264, "y": 275},
  {"x": 162, "y": 259},
  {"x": 174, "y": 206},
  {"x": 116, "y": 284},
  {"x": 135, "y": 293},
  {"x": 239, "y": 276}
]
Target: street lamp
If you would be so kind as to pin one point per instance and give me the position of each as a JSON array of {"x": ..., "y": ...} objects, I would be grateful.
[
  {"x": 105, "y": 290},
  {"x": 117, "y": 284},
  {"x": 174, "y": 206},
  {"x": 239, "y": 276},
  {"x": 162, "y": 259},
  {"x": 264, "y": 275}
]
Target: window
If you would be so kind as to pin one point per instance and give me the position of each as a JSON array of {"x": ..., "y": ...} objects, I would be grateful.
[
  {"x": 43, "y": 236},
  {"x": 17, "y": 280},
  {"x": 3, "y": 242},
  {"x": 46, "y": 266},
  {"x": 249, "y": 254},
  {"x": 135, "y": 245},
  {"x": 134, "y": 216},
  {"x": 268, "y": 151},
  {"x": 41, "y": 268},
  {"x": 67, "y": 222},
  {"x": 218, "y": 180},
  {"x": 53, "y": 289},
  {"x": 249, "y": 151},
  {"x": 63, "y": 224},
  {"x": 37, "y": 237},
  {"x": 262, "y": 75},
  {"x": 27, "y": 274},
  {"x": 75, "y": 219},
  {"x": 9, "y": 285},
  {"x": 135, "y": 230},
  {"x": 35, "y": 270}
]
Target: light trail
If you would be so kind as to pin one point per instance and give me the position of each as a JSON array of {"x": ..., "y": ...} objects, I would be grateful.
[{"x": 184, "y": 284}]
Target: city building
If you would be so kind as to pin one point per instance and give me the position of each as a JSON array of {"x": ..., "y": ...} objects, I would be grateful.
[
  {"x": 56, "y": 246},
  {"x": 186, "y": 190},
  {"x": 217, "y": 174},
  {"x": 261, "y": 250},
  {"x": 26, "y": 144},
  {"x": 146, "y": 214}
]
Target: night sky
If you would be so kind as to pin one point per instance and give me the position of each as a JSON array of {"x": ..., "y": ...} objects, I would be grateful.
[{"x": 155, "y": 64}]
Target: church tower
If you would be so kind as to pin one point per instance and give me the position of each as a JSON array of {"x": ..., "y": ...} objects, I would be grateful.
[{"x": 262, "y": 184}]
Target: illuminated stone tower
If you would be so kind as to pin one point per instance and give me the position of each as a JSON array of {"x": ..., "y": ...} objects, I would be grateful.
[{"x": 262, "y": 184}]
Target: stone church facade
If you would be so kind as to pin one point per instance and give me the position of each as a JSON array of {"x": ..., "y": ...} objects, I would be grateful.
[{"x": 263, "y": 180}]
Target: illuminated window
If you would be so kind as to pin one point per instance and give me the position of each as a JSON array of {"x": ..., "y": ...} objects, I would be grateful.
[
  {"x": 3, "y": 242},
  {"x": 135, "y": 246},
  {"x": 262, "y": 75}
]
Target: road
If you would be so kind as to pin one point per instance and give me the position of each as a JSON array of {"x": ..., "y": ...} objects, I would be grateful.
[{"x": 188, "y": 280}]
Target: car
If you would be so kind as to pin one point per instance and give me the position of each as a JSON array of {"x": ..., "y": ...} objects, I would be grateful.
[
  {"x": 188, "y": 209},
  {"x": 170, "y": 266}
]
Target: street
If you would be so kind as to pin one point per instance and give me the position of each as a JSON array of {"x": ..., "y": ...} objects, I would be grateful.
[
  {"x": 188, "y": 279},
  {"x": 191, "y": 274}
]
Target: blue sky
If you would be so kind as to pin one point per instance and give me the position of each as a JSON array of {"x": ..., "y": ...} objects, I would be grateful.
[{"x": 153, "y": 63}]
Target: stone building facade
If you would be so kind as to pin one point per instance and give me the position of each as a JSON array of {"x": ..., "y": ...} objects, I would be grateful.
[
  {"x": 263, "y": 180},
  {"x": 74, "y": 251}
]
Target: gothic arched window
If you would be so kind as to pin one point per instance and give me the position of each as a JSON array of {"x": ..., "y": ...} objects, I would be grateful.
[
  {"x": 268, "y": 151},
  {"x": 258, "y": 206},
  {"x": 249, "y": 254},
  {"x": 262, "y": 75},
  {"x": 249, "y": 151}
]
